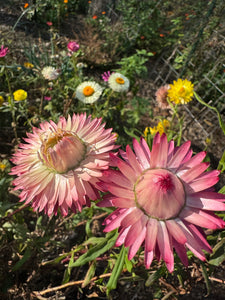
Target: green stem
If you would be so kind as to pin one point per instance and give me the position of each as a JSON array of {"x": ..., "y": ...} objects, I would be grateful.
[
  {"x": 222, "y": 124},
  {"x": 12, "y": 105}
]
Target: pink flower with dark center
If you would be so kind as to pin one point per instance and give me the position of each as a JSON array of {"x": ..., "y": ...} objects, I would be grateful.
[
  {"x": 47, "y": 98},
  {"x": 61, "y": 163},
  {"x": 106, "y": 75},
  {"x": 163, "y": 198},
  {"x": 73, "y": 46},
  {"x": 3, "y": 51}
]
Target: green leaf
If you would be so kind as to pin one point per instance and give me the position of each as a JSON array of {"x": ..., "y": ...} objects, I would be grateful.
[
  {"x": 112, "y": 283},
  {"x": 25, "y": 257},
  {"x": 221, "y": 165},
  {"x": 97, "y": 250},
  {"x": 218, "y": 255},
  {"x": 90, "y": 274},
  {"x": 155, "y": 276},
  {"x": 67, "y": 272}
]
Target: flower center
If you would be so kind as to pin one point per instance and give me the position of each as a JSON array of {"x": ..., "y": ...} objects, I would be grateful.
[
  {"x": 88, "y": 91},
  {"x": 159, "y": 194},
  {"x": 120, "y": 80},
  {"x": 62, "y": 151}
]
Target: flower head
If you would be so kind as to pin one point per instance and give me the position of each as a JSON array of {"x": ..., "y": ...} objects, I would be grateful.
[
  {"x": 3, "y": 51},
  {"x": 1, "y": 100},
  {"x": 73, "y": 46},
  {"x": 161, "y": 96},
  {"x": 118, "y": 82},
  {"x": 163, "y": 198},
  {"x": 88, "y": 91},
  {"x": 20, "y": 95},
  {"x": 28, "y": 65},
  {"x": 50, "y": 73},
  {"x": 106, "y": 75},
  {"x": 61, "y": 163},
  {"x": 181, "y": 91}
]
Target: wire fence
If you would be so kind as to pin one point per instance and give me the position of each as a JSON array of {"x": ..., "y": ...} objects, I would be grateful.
[{"x": 199, "y": 121}]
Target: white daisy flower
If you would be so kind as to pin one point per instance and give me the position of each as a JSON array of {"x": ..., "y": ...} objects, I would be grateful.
[
  {"x": 119, "y": 82},
  {"x": 50, "y": 73},
  {"x": 88, "y": 91}
]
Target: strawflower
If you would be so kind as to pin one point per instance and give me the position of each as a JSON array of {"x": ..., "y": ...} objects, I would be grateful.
[
  {"x": 1, "y": 100},
  {"x": 88, "y": 91},
  {"x": 181, "y": 91},
  {"x": 118, "y": 82},
  {"x": 73, "y": 46},
  {"x": 50, "y": 73},
  {"x": 163, "y": 197},
  {"x": 163, "y": 126},
  {"x": 28, "y": 65},
  {"x": 26, "y": 5},
  {"x": 47, "y": 98},
  {"x": 161, "y": 96},
  {"x": 20, "y": 95},
  {"x": 3, "y": 51},
  {"x": 105, "y": 76},
  {"x": 61, "y": 163}
]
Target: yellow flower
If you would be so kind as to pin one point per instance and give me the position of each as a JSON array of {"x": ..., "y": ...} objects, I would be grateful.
[
  {"x": 28, "y": 65},
  {"x": 163, "y": 126},
  {"x": 181, "y": 91},
  {"x": 20, "y": 95},
  {"x": 1, "y": 100},
  {"x": 65, "y": 1},
  {"x": 2, "y": 166}
]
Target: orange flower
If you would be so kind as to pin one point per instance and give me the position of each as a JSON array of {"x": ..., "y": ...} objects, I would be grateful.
[
  {"x": 142, "y": 37},
  {"x": 89, "y": 2},
  {"x": 26, "y": 5},
  {"x": 103, "y": 12},
  {"x": 94, "y": 17},
  {"x": 162, "y": 35},
  {"x": 65, "y": 1}
]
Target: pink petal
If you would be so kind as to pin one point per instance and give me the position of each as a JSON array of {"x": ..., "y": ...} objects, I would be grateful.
[
  {"x": 135, "y": 231},
  {"x": 194, "y": 172},
  {"x": 136, "y": 245},
  {"x": 175, "y": 231},
  {"x": 198, "y": 201},
  {"x": 159, "y": 153},
  {"x": 133, "y": 160},
  {"x": 176, "y": 160},
  {"x": 132, "y": 217},
  {"x": 141, "y": 155},
  {"x": 151, "y": 234}
]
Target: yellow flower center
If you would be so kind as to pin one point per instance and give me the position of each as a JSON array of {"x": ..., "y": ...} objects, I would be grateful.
[
  {"x": 120, "y": 80},
  {"x": 62, "y": 151},
  {"x": 88, "y": 91}
]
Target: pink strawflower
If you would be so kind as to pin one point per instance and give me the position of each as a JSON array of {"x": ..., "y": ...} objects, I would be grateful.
[
  {"x": 47, "y": 98},
  {"x": 73, "y": 46},
  {"x": 164, "y": 197},
  {"x": 49, "y": 23},
  {"x": 161, "y": 96},
  {"x": 3, "y": 51},
  {"x": 106, "y": 75},
  {"x": 61, "y": 163}
]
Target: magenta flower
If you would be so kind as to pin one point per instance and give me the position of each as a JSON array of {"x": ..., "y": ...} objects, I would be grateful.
[
  {"x": 61, "y": 163},
  {"x": 3, "y": 51},
  {"x": 47, "y": 98},
  {"x": 106, "y": 75},
  {"x": 73, "y": 46},
  {"x": 164, "y": 197}
]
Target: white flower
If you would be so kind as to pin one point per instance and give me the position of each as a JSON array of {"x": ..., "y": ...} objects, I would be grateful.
[
  {"x": 119, "y": 82},
  {"x": 88, "y": 91},
  {"x": 50, "y": 73}
]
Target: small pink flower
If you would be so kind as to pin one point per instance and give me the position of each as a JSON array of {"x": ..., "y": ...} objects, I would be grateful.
[
  {"x": 106, "y": 75},
  {"x": 3, "y": 51},
  {"x": 47, "y": 98},
  {"x": 60, "y": 164},
  {"x": 73, "y": 46},
  {"x": 164, "y": 197},
  {"x": 49, "y": 23},
  {"x": 161, "y": 96}
]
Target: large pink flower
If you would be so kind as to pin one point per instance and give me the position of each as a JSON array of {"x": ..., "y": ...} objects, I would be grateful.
[
  {"x": 61, "y": 163},
  {"x": 164, "y": 197}
]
